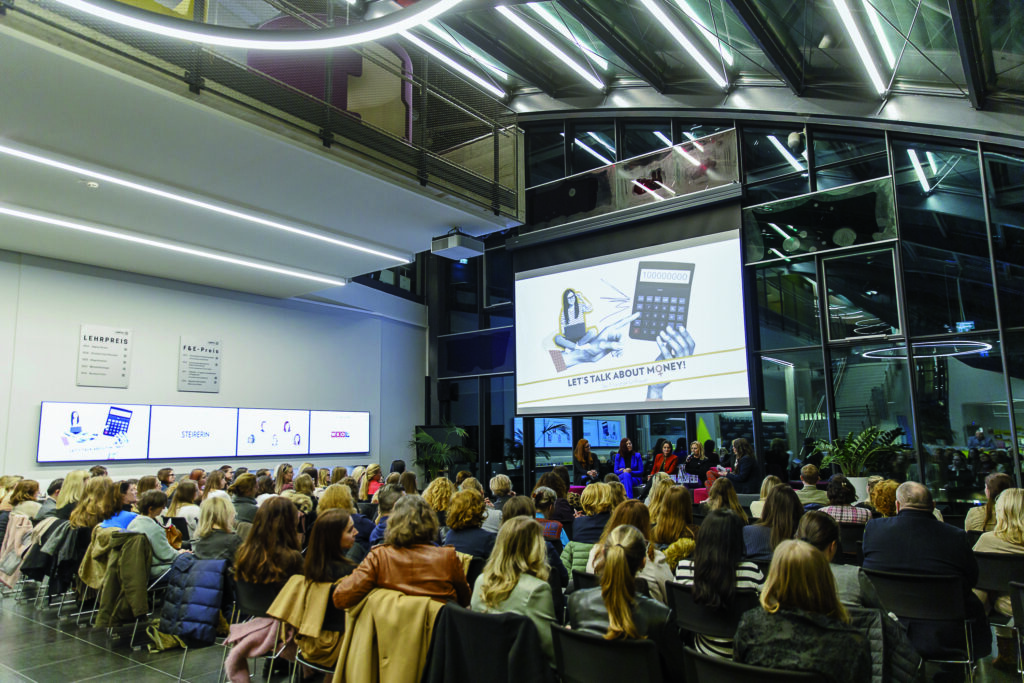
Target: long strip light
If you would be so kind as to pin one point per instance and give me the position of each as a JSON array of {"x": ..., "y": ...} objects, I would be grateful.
[
  {"x": 932, "y": 163},
  {"x": 597, "y": 155},
  {"x": 858, "y": 42},
  {"x": 919, "y": 170},
  {"x": 468, "y": 73},
  {"x": 181, "y": 199},
  {"x": 780, "y": 254},
  {"x": 664, "y": 138},
  {"x": 207, "y": 34},
  {"x": 601, "y": 141},
  {"x": 167, "y": 246},
  {"x": 554, "y": 22},
  {"x": 689, "y": 157},
  {"x": 786, "y": 153},
  {"x": 648, "y": 190},
  {"x": 466, "y": 49},
  {"x": 714, "y": 40},
  {"x": 779, "y": 230},
  {"x": 883, "y": 40},
  {"x": 523, "y": 26},
  {"x": 673, "y": 30}
]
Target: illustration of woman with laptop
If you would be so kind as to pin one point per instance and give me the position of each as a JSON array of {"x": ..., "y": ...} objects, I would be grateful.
[{"x": 572, "y": 321}]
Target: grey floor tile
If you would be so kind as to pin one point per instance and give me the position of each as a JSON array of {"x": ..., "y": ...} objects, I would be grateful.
[{"x": 135, "y": 674}]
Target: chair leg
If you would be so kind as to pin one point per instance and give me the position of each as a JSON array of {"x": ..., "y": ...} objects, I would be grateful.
[{"x": 181, "y": 668}]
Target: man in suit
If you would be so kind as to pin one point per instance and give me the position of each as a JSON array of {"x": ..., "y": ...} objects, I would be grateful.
[{"x": 914, "y": 542}]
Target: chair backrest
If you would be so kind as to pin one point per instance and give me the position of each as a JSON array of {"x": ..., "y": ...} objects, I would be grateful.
[
  {"x": 476, "y": 568},
  {"x": 1017, "y": 600},
  {"x": 254, "y": 599},
  {"x": 701, "y": 668},
  {"x": 973, "y": 536},
  {"x": 997, "y": 570},
  {"x": 368, "y": 510},
  {"x": 581, "y": 580},
  {"x": 181, "y": 524},
  {"x": 920, "y": 596},
  {"x": 708, "y": 621},
  {"x": 851, "y": 537},
  {"x": 334, "y": 618},
  {"x": 585, "y": 658}
]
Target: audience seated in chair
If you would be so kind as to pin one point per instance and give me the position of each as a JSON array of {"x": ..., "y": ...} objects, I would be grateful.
[
  {"x": 655, "y": 570},
  {"x": 163, "y": 553},
  {"x": 781, "y": 514},
  {"x": 215, "y": 536},
  {"x": 822, "y": 531},
  {"x": 465, "y": 519},
  {"x": 1007, "y": 537}
]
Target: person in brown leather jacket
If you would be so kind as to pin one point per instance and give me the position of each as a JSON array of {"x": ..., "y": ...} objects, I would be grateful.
[{"x": 408, "y": 561}]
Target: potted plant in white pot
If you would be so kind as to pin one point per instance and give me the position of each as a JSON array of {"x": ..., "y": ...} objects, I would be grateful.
[{"x": 855, "y": 454}]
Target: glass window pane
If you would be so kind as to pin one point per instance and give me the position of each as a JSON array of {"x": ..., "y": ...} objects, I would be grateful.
[
  {"x": 787, "y": 305},
  {"x": 861, "y": 295},
  {"x": 462, "y": 296},
  {"x": 794, "y": 405},
  {"x": 504, "y": 452},
  {"x": 830, "y": 147},
  {"x": 593, "y": 146},
  {"x": 778, "y": 189},
  {"x": 960, "y": 390},
  {"x": 833, "y": 219},
  {"x": 498, "y": 276},
  {"x": 545, "y": 154},
  {"x": 1015, "y": 361},
  {"x": 722, "y": 428},
  {"x": 945, "y": 247},
  {"x": 850, "y": 172},
  {"x": 1005, "y": 173},
  {"x": 643, "y": 137},
  {"x": 871, "y": 389},
  {"x": 771, "y": 152}
]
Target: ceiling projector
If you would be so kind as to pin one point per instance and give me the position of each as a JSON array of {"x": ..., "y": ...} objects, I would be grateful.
[{"x": 456, "y": 245}]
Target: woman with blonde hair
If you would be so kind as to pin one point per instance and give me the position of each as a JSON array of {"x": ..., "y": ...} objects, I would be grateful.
[
  {"x": 301, "y": 494},
  {"x": 515, "y": 579},
  {"x": 70, "y": 493},
  {"x": 1007, "y": 537},
  {"x": 358, "y": 473},
  {"x": 597, "y": 510},
  {"x": 675, "y": 533},
  {"x": 438, "y": 495},
  {"x": 767, "y": 484},
  {"x": 723, "y": 496},
  {"x": 883, "y": 497},
  {"x": 465, "y": 517},
  {"x": 615, "y": 611},
  {"x": 243, "y": 497},
  {"x": 983, "y": 518},
  {"x": 215, "y": 536},
  {"x": 283, "y": 480},
  {"x": 659, "y": 486},
  {"x": 371, "y": 482},
  {"x": 101, "y": 500},
  {"x": 802, "y": 625},
  {"x": 655, "y": 571}
]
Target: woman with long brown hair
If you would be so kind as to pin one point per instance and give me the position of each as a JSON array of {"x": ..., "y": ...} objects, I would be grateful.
[
  {"x": 101, "y": 500},
  {"x": 674, "y": 531},
  {"x": 782, "y": 512},
  {"x": 184, "y": 505},
  {"x": 585, "y": 465},
  {"x": 628, "y": 466},
  {"x": 802, "y": 626},
  {"x": 723, "y": 495},
  {"x": 655, "y": 572},
  {"x": 271, "y": 552}
]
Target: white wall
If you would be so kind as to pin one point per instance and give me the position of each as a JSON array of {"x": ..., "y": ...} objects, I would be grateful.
[{"x": 276, "y": 354}]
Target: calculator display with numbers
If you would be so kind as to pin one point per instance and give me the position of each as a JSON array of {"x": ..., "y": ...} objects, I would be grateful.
[
  {"x": 662, "y": 297},
  {"x": 117, "y": 421}
]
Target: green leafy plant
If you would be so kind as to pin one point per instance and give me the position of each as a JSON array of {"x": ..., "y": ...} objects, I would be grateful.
[
  {"x": 854, "y": 454},
  {"x": 434, "y": 456}
]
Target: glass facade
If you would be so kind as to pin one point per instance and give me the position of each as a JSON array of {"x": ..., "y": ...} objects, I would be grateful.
[{"x": 913, "y": 246}]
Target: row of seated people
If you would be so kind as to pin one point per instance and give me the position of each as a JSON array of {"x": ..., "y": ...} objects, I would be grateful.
[{"x": 667, "y": 529}]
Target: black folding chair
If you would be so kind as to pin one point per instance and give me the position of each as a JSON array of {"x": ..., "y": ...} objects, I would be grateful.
[
  {"x": 995, "y": 573},
  {"x": 1017, "y": 599},
  {"x": 927, "y": 598},
  {"x": 334, "y": 620},
  {"x": 708, "y": 621},
  {"x": 701, "y": 668},
  {"x": 476, "y": 568},
  {"x": 851, "y": 536},
  {"x": 581, "y": 580},
  {"x": 973, "y": 536},
  {"x": 585, "y": 658},
  {"x": 253, "y": 600}
]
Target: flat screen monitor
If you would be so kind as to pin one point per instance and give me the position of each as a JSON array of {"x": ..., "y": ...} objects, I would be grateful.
[
  {"x": 273, "y": 432},
  {"x": 192, "y": 432},
  {"x": 659, "y": 328},
  {"x": 602, "y": 433},
  {"x": 69, "y": 432},
  {"x": 335, "y": 431}
]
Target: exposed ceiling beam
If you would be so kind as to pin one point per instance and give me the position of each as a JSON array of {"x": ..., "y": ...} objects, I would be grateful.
[
  {"x": 632, "y": 57},
  {"x": 769, "y": 38},
  {"x": 491, "y": 45},
  {"x": 973, "y": 56}
]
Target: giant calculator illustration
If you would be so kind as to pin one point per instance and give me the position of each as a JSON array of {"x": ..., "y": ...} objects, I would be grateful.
[
  {"x": 118, "y": 420},
  {"x": 662, "y": 297}
]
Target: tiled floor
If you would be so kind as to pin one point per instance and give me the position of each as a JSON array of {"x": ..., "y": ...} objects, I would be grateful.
[{"x": 36, "y": 647}]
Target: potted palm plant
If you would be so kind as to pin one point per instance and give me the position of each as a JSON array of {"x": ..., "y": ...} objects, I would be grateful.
[
  {"x": 855, "y": 454},
  {"x": 434, "y": 455}
]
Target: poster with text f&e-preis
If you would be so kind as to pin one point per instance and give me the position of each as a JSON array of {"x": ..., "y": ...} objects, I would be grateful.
[{"x": 660, "y": 328}]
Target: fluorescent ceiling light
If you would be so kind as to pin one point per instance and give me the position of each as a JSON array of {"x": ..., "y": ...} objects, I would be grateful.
[
  {"x": 779, "y": 230},
  {"x": 876, "y": 26},
  {"x": 932, "y": 163},
  {"x": 664, "y": 138},
  {"x": 601, "y": 141},
  {"x": 666, "y": 188},
  {"x": 779, "y": 254},
  {"x": 716, "y": 43},
  {"x": 476, "y": 78},
  {"x": 556, "y": 23},
  {"x": 858, "y": 43},
  {"x": 777, "y": 361},
  {"x": 786, "y": 153},
  {"x": 681, "y": 38},
  {"x": 252, "y": 218},
  {"x": 919, "y": 170},
  {"x": 318, "y": 39},
  {"x": 550, "y": 47},
  {"x": 466, "y": 49},
  {"x": 596, "y": 155},
  {"x": 167, "y": 246}
]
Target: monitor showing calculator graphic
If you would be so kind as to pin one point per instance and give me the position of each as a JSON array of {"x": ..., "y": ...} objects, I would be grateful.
[
  {"x": 662, "y": 297},
  {"x": 118, "y": 420}
]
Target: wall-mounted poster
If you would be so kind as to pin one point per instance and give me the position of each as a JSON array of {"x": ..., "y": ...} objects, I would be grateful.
[
  {"x": 104, "y": 356},
  {"x": 199, "y": 364}
]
